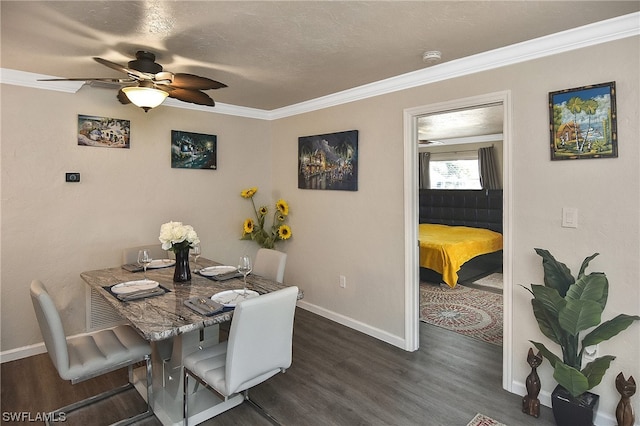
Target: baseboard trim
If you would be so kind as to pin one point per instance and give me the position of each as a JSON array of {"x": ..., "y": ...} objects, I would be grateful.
[
  {"x": 23, "y": 352},
  {"x": 354, "y": 324}
]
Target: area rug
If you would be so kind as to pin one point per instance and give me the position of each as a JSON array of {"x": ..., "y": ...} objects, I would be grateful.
[
  {"x": 493, "y": 281},
  {"x": 482, "y": 420},
  {"x": 468, "y": 311}
]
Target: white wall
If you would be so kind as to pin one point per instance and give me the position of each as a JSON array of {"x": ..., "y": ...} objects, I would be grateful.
[
  {"x": 360, "y": 234},
  {"x": 53, "y": 230}
]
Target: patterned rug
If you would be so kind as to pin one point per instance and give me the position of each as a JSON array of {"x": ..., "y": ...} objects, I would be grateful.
[
  {"x": 482, "y": 420},
  {"x": 474, "y": 313}
]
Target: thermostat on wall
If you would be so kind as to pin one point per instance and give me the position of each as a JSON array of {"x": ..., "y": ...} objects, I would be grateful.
[{"x": 72, "y": 177}]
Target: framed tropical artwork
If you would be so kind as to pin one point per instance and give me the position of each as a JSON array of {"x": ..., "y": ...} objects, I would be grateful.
[
  {"x": 582, "y": 122},
  {"x": 328, "y": 161},
  {"x": 193, "y": 150}
]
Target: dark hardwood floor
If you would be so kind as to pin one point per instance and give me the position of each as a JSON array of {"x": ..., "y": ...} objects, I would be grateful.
[{"x": 339, "y": 377}]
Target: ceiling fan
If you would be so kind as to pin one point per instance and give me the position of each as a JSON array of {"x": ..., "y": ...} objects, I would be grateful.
[{"x": 147, "y": 84}]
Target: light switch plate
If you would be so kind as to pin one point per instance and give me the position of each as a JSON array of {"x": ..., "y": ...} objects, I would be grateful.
[{"x": 569, "y": 217}]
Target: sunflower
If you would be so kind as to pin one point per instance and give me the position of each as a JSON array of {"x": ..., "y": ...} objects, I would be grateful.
[
  {"x": 248, "y": 226},
  {"x": 282, "y": 207},
  {"x": 248, "y": 193},
  {"x": 281, "y": 218},
  {"x": 263, "y": 211},
  {"x": 284, "y": 232}
]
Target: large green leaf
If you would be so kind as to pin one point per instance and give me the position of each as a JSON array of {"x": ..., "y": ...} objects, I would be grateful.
[
  {"x": 556, "y": 274},
  {"x": 571, "y": 379},
  {"x": 579, "y": 315},
  {"x": 585, "y": 263},
  {"x": 547, "y": 321},
  {"x": 608, "y": 329},
  {"x": 547, "y": 354},
  {"x": 594, "y": 371},
  {"x": 593, "y": 287},
  {"x": 549, "y": 297}
]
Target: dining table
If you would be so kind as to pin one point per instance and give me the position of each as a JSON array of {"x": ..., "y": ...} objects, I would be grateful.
[{"x": 175, "y": 330}]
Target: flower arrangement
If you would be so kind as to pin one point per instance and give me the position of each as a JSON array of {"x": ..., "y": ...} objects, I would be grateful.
[
  {"x": 256, "y": 230},
  {"x": 175, "y": 236}
]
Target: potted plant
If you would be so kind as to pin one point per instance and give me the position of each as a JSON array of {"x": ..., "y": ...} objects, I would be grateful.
[{"x": 565, "y": 307}]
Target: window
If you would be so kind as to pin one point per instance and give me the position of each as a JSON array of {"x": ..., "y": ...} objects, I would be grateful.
[{"x": 454, "y": 171}]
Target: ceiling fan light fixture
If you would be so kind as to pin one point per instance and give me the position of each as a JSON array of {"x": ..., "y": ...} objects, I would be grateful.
[{"x": 145, "y": 97}]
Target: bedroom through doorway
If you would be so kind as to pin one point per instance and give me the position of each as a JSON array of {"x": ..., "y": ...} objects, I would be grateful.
[{"x": 450, "y": 140}]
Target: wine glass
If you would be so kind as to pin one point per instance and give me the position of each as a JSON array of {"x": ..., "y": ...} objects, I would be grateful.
[
  {"x": 144, "y": 259},
  {"x": 195, "y": 253},
  {"x": 244, "y": 267}
]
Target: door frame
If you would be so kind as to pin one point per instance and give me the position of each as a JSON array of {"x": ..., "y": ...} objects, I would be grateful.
[{"x": 412, "y": 299}]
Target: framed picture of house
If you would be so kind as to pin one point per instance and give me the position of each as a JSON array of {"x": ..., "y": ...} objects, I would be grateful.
[
  {"x": 103, "y": 132},
  {"x": 328, "y": 161},
  {"x": 582, "y": 122},
  {"x": 193, "y": 150}
]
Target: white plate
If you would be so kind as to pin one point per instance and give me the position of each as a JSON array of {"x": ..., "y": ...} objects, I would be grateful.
[
  {"x": 131, "y": 286},
  {"x": 229, "y": 298},
  {"x": 161, "y": 263},
  {"x": 212, "y": 271}
]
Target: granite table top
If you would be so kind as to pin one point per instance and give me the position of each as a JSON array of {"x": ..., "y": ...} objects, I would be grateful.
[{"x": 161, "y": 317}]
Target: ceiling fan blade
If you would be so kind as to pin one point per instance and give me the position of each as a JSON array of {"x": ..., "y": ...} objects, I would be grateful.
[
  {"x": 195, "y": 82},
  {"x": 192, "y": 96},
  {"x": 122, "y": 97},
  {"x": 131, "y": 72}
]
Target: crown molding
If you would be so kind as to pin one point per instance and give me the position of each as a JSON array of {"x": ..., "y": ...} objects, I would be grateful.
[{"x": 577, "y": 38}]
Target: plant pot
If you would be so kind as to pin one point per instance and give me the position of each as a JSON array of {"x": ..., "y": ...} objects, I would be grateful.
[{"x": 573, "y": 411}]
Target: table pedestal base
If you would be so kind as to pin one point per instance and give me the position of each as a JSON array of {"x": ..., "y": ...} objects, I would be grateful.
[{"x": 168, "y": 377}]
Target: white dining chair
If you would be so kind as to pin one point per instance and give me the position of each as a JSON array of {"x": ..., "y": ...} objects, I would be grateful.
[
  {"x": 84, "y": 357},
  {"x": 270, "y": 264},
  {"x": 259, "y": 347},
  {"x": 130, "y": 255}
]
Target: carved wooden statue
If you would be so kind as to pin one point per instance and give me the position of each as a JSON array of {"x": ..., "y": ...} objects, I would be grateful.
[
  {"x": 624, "y": 410},
  {"x": 530, "y": 402}
]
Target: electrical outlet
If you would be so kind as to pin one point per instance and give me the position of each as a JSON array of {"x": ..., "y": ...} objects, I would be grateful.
[
  {"x": 590, "y": 353},
  {"x": 343, "y": 281}
]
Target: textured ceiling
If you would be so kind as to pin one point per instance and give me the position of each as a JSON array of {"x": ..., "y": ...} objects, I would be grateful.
[{"x": 274, "y": 54}]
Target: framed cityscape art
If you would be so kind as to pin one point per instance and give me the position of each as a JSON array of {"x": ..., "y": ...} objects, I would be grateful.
[
  {"x": 328, "y": 161},
  {"x": 582, "y": 122},
  {"x": 193, "y": 150}
]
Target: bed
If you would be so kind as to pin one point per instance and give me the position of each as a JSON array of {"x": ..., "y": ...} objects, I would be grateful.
[{"x": 460, "y": 234}]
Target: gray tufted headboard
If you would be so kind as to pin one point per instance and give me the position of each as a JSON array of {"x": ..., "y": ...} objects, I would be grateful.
[{"x": 475, "y": 208}]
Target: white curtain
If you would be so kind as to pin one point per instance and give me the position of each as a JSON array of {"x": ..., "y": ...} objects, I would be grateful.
[
  {"x": 489, "y": 177},
  {"x": 423, "y": 170}
]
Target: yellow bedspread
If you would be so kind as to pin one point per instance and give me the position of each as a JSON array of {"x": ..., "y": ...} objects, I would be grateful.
[{"x": 445, "y": 248}]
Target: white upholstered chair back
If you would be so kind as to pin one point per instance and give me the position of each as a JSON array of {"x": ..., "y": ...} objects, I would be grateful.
[{"x": 270, "y": 264}]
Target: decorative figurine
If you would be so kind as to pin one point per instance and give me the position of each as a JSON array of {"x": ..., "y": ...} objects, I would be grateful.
[
  {"x": 530, "y": 402},
  {"x": 624, "y": 410}
]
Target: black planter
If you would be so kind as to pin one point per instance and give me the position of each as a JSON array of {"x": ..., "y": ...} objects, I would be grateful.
[{"x": 570, "y": 411}]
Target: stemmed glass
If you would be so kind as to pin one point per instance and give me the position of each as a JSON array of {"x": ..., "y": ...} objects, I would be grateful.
[
  {"x": 244, "y": 267},
  {"x": 195, "y": 253},
  {"x": 144, "y": 259}
]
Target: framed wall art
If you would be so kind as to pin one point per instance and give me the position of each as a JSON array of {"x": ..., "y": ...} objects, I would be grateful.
[
  {"x": 582, "y": 122},
  {"x": 103, "y": 132},
  {"x": 328, "y": 161},
  {"x": 193, "y": 150}
]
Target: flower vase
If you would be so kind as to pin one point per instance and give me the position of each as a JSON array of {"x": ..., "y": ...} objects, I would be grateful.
[{"x": 182, "y": 273}]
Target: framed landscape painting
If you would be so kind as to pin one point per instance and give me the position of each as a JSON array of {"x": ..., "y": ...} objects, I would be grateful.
[
  {"x": 583, "y": 122},
  {"x": 193, "y": 150},
  {"x": 103, "y": 132},
  {"x": 328, "y": 161}
]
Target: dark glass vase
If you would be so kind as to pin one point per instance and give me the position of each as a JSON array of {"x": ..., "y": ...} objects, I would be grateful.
[
  {"x": 182, "y": 273},
  {"x": 570, "y": 411}
]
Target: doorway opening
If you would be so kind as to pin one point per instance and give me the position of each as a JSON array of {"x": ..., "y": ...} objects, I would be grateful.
[{"x": 412, "y": 135}]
